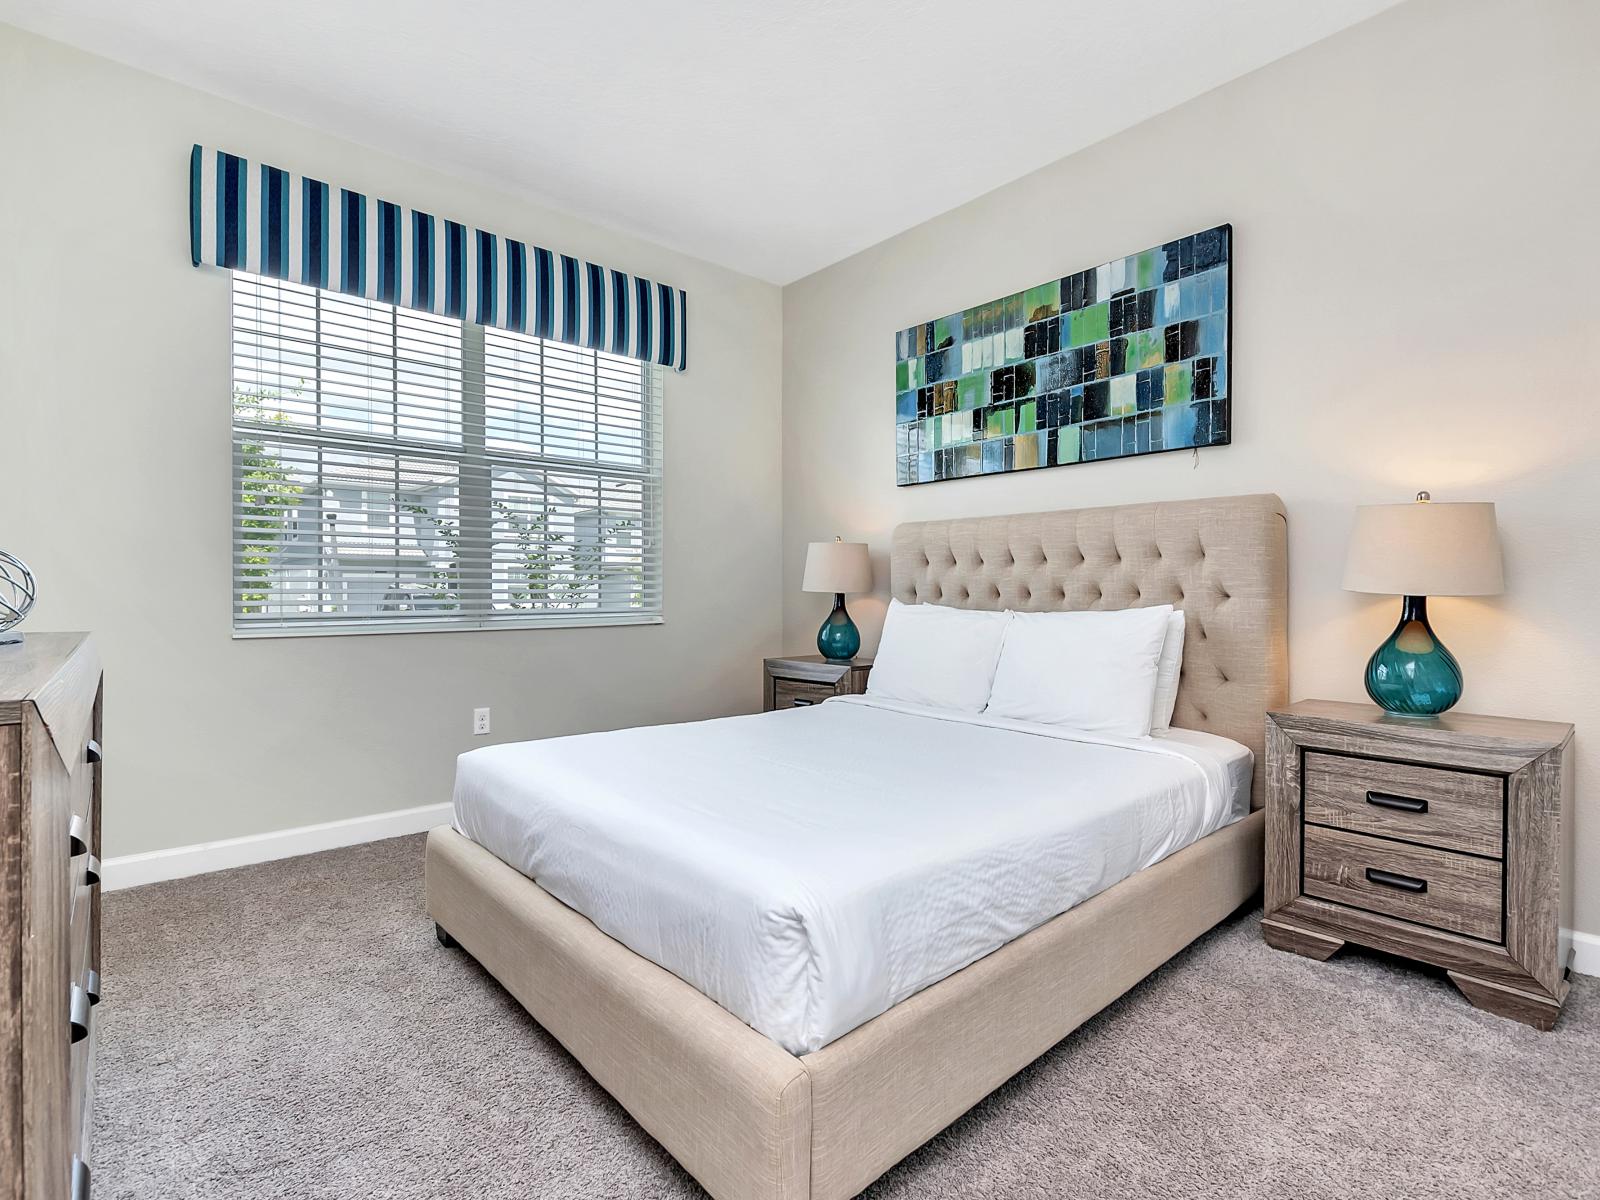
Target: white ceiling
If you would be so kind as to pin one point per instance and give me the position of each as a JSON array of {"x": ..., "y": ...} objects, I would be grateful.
[{"x": 773, "y": 138}]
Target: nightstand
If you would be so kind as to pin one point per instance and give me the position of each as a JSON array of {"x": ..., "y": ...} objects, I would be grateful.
[
  {"x": 803, "y": 679},
  {"x": 1445, "y": 840}
]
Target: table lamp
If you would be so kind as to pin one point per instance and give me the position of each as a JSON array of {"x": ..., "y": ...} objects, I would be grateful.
[
  {"x": 1416, "y": 551},
  {"x": 838, "y": 567}
]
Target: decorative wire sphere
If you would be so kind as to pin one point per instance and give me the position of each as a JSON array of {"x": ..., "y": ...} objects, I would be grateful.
[{"x": 17, "y": 592}]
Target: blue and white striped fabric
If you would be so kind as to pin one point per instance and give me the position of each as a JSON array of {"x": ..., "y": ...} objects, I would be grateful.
[{"x": 252, "y": 217}]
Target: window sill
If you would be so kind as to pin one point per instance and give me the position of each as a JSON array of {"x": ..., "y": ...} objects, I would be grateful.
[{"x": 364, "y": 628}]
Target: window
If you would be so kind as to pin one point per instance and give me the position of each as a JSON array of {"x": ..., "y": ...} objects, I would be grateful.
[{"x": 395, "y": 470}]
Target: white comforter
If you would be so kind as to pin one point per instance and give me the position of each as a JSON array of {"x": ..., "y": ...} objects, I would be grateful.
[{"x": 811, "y": 868}]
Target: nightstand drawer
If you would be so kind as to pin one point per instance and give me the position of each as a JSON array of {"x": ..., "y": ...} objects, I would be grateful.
[
  {"x": 1453, "y": 810},
  {"x": 794, "y": 693},
  {"x": 1457, "y": 892},
  {"x": 805, "y": 679}
]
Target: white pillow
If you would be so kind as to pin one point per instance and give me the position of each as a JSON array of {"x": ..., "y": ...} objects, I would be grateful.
[
  {"x": 1167, "y": 668},
  {"x": 937, "y": 656},
  {"x": 1094, "y": 671}
]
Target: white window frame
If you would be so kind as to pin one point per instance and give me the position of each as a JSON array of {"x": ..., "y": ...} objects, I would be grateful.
[{"x": 471, "y": 457}]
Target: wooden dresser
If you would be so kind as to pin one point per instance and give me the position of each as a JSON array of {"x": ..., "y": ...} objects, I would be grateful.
[
  {"x": 1446, "y": 840},
  {"x": 804, "y": 679},
  {"x": 49, "y": 912}
]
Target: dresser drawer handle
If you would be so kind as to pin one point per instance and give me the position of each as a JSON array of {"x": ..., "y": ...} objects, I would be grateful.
[
  {"x": 80, "y": 1179},
  {"x": 92, "y": 752},
  {"x": 797, "y": 702},
  {"x": 91, "y": 870},
  {"x": 77, "y": 836},
  {"x": 1406, "y": 883},
  {"x": 78, "y": 1013},
  {"x": 91, "y": 986},
  {"x": 1403, "y": 803}
]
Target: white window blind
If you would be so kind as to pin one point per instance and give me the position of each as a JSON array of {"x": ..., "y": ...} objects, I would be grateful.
[{"x": 395, "y": 470}]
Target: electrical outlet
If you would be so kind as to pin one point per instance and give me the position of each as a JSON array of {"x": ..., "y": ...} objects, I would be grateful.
[{"x": 480, "y": 722}]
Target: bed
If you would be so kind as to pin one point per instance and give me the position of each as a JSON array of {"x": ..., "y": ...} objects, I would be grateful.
[{"x": 829, "y": 1008}]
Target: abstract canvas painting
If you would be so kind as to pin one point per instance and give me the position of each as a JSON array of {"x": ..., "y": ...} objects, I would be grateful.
[{"x": 1130, "y": 357}]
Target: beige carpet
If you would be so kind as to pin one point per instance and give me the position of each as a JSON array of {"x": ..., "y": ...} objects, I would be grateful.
[{"x": 293, "y": 1030}]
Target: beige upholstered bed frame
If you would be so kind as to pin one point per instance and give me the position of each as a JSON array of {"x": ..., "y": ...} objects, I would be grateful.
[{"x": 747, "y": 1118}]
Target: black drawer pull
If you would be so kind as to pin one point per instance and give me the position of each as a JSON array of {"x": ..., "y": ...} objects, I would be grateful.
[
  {"x": 77, "y": 836},
  {"x": 78, "y": 1013},
  {"x": 80, "y": 1179},
  {"x": 92, "y": 752},
  {"x": 91, "y": 870},
  {"x": 799, "y": 703},
  {"x": 1403, "y": 803},
  {"x": 1406, "y": 883}
]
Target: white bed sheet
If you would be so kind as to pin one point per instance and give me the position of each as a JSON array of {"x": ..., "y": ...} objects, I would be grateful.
[{"x": 808, "y": 869}]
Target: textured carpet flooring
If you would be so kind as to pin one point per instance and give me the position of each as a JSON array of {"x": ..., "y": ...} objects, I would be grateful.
[{"x": 293, "y": 1030}]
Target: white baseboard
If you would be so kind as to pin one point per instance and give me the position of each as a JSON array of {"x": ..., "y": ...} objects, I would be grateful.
[
  {"x": 1585, "y": 953},
  {"x": 132, "y": 870}
]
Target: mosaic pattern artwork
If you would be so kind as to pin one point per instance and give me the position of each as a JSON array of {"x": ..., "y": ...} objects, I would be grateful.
[{"x": 1126, "y": 358}]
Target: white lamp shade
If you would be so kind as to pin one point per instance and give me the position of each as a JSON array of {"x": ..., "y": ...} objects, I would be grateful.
[
  {"x": 837, "y": 567},
  {"x": 1425, "y": 549}
]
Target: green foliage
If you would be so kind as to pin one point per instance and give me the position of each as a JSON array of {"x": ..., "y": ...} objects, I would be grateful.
[
  {"x": 445, "y": 576},
  {"x": 266, "y": 494},
  {"x": 538, "y": 555}
]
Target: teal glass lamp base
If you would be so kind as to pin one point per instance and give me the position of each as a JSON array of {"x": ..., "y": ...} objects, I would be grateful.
[
  {"x": 1412, "y": 674},
  {"x": 838, "y": 637}
]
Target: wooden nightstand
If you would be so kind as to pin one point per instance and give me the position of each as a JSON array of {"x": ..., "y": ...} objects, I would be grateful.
[
  {"x": 803, "y": 679},
  {"x": 1442, "y": 839}
]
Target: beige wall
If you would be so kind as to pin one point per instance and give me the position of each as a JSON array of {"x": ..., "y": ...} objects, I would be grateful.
[
  {"x": 1416, "y": 246},
  {"x": 114, "y": 483}
]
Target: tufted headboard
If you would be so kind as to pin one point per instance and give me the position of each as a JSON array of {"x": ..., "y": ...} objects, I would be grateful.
[{"x": 1224, "y": 561}]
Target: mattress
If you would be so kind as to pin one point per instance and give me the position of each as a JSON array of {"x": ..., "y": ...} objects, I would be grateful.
[{"x": 809, "y": 869}]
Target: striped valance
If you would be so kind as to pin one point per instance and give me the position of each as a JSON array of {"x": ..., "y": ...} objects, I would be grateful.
[{"x": 251, "y": 217}]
